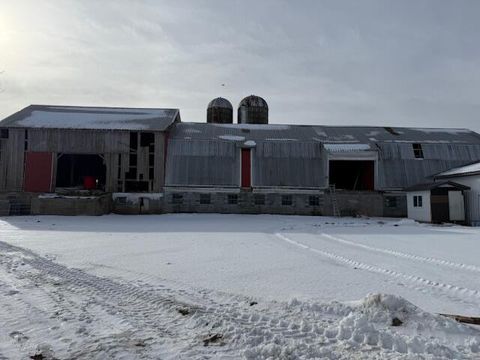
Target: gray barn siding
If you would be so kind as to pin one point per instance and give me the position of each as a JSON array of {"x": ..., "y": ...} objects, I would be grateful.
[
  {"x": 11, "y": 164},
  {"x": 159, "y": 162},
  {"x": 108, "y": 143},
  {"x": 3, "y": 163},
  {"x": 78, "y": 141},
  {"x": 290, "y": 164},
  {"x": 202, "y": 163},
  {"x": 398, "y": 167}
]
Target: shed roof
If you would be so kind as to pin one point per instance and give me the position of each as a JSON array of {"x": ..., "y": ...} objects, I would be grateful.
[
  {"x": 467, "y": 170},
  {"x": 434, "y": 185},
  {"x": 323, "y": 134},
  {"x": 83, "y": 117}
]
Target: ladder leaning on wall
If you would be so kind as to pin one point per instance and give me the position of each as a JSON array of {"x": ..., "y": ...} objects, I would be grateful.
[{"x": 333, "y": 199}]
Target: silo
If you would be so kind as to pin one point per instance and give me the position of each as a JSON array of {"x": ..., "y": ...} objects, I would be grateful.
[
  {"x": 220, "y": 111},
  {"x": 253, "y": 110}
]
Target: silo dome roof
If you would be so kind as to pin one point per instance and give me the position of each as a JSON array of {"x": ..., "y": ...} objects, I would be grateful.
[
  {"x": 253, "y": 101},
  {"x": 220, "y": 103}
]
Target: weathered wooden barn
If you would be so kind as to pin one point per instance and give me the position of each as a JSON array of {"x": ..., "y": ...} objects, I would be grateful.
[
  {"x": 57, "y": 159},
  {"x": 45, "y": 149}
]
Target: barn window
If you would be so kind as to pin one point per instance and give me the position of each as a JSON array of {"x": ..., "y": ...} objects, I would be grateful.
[
  {"x": 391, "y": 202},
  {"x": 418, "y": 201},
  {"x": 314, "y": 200},
  {"x": 177, "y": 199},
  {"x": 232, "y": 199},
  {"x": 205, "y": 199},
  {"x": 259, "y": 199},
  {"x": 3, "y": 133},
  {"x": 287, "y": 200},
  {"x": 417, "y": 151}
]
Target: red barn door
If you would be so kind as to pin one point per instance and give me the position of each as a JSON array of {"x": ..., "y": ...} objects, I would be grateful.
[
  {"x": 246, "y": 168},
  {"x": 38, "y": 171}
]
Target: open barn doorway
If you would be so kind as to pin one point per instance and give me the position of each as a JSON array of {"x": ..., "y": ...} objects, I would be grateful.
[
  {"x": 352, "y": 174},
  {"x": 81, "y": 171}
]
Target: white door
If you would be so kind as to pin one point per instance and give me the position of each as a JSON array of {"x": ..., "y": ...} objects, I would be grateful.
[{"x": 456, "y": 206}]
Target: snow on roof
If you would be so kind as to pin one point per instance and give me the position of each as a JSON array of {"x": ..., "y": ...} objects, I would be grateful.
[
  {"x": 467, "y": 170},
  {"x": 435, "y": 185},
  {"x": 253, "y": 126},
  {"x": 346, "y": 147},
  {"x": 355, "y": 135},
  {"x": 442, "y": 130},
  {"x": 232, "y": 137},
  {"x": 74, "y": 117}
]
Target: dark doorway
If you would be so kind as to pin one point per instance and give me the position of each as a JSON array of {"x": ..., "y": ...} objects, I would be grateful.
[
  {"x": 73, "y": 168},
  {"x": 439, "y": 204},
  {"x": 352, "y": 174}
]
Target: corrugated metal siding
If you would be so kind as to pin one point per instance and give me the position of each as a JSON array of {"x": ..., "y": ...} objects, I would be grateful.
[
  {"x": 202, "y": 163},
  {"x": 290, "y": 164},
  {"x": 398, "y": 167},
  {"x": 472, "y": 205},
  {"x": 449, "y": 152},
  {"x": 396, "y": 174}
]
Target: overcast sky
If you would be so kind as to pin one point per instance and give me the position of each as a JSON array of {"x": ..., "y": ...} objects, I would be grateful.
[{"x": 396, "y": 63}]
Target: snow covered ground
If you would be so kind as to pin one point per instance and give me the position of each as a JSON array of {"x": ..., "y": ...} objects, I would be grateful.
[{"x": 233, "y": 286}]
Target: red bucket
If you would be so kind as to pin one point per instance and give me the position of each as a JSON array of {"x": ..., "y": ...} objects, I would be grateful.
[{"x": 89, "y": 182}]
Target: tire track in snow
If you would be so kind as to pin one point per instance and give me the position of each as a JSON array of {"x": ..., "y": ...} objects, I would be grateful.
[
  {"x": 150, "y": 314},
  {"x": 400, "y": 254},
  {"x": 445, "y": 288},
  {"x": 145, "y": 311}
]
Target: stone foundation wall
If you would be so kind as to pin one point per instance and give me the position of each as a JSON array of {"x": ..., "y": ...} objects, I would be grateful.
[
  {"x": 349, "y": 203},
  {"x": 71, "y": 206}
]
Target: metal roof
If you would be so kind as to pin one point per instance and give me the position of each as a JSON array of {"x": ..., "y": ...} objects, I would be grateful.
[
  {"x": 302, "y": 150},
  {"x": 323, "y": 134},
  {"x": 467, "y": 170},
  {"x": 435, "y": 185},
  {"x": 101, "y": 118}
]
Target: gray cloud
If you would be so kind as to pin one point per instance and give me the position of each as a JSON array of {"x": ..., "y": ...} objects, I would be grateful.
[{"x": 316, "y": 62}]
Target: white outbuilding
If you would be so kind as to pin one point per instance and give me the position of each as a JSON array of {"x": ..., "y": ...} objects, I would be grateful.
[
  {"x": 437, "y": 202},
  {"x": 468, "y": 175}
]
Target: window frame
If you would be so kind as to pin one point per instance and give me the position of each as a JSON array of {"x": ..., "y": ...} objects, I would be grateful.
[
  {"x": 418, "y": 201},
  {"x": 232, "y": 199},
  {"x": 205, "y": 199},
  {"x": 287, "y": 200},
  {"x": 391, "y": 202},
  {"x": 259, "y": 199},
  {"x": 177, "y": 199},
  {"x": 314, "y": 200},
  {"x": 418, "y": 151}
]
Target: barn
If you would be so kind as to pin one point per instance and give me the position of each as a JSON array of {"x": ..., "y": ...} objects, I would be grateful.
[
  {"x": 68, "y": 160},
  {"x": 60, "y": 159}
]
